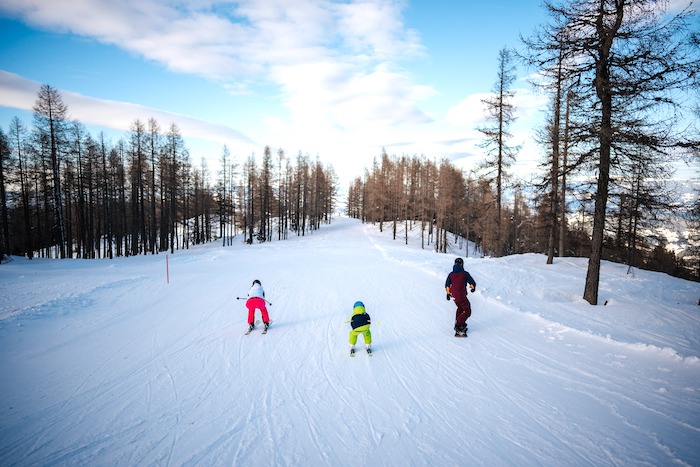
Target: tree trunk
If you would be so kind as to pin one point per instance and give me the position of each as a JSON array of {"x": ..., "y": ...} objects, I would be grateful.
[{"x": 603, "y": 91}]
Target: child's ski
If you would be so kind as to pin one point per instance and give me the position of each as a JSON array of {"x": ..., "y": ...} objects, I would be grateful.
[
  {"x": 352, "y": 352},
  {"x": 266, "y": 326},
  {"x": 250, "y": 328}
]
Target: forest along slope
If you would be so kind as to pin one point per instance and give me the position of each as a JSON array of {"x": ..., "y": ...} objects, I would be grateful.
[{"x": 106, "y": 363}]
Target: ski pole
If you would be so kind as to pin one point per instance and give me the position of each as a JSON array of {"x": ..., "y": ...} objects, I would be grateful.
[{"x": 246, "y": 298}]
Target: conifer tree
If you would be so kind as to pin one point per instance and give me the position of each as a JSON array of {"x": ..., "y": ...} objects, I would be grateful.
[
  {"x": 50, "y": 114},
  {"x": 501, "y": 154}
]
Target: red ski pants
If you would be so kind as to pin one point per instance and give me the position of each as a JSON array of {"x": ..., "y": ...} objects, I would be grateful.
[
  {"x": 256, "y": 303},
  {"x": 464, "y": 311}
]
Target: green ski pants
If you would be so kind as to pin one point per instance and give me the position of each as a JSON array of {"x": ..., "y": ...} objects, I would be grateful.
[{"x": 364, "y": 330}]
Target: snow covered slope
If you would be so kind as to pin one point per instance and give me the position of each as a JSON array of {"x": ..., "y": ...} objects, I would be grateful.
[{"x": 104, "y": 363}]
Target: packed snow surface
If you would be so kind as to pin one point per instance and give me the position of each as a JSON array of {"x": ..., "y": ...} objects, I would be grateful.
[{"x": 106, "y": 362}]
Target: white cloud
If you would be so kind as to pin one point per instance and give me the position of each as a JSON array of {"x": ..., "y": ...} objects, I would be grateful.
[
  {"x": 375, "y": 27},
  {"x": 334, "y": 94},
  {"x": 471, "y": 112},
  {"x": 20, "y": 93},
  {"x": 528, "y": 105},
  {"x": 17, "y": 92}
]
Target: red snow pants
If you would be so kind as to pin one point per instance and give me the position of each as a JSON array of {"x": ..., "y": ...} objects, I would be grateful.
[
  {"x": 464, "y": 311},
  {"x": 256, "y": 303}
]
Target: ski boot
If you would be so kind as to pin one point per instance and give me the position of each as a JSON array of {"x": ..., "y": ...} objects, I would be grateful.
[{"x": 461, "y": 331}]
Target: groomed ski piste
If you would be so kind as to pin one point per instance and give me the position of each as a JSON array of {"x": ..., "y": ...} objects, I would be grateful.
[{"x": 104, "y": 362}]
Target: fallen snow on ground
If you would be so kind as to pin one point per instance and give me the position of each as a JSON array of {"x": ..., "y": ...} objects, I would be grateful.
[{"x": 104, "y": 362}]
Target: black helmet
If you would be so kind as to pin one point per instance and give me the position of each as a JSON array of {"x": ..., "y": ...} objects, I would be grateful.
[
  {"x": 459, "y": 261},
  {"x": 256, "y": 282}
]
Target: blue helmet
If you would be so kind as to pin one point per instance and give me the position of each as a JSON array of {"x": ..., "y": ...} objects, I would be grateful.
[{"x": 358, "y": 303}]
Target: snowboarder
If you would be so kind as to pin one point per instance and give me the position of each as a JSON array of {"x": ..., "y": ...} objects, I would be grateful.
[
  {"x": 256, "y": 301},
  {"x": 456, "y": 287},
  {"x": 360, "y": 321}
]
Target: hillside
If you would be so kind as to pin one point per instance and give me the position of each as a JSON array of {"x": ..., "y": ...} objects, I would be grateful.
[{"x": 105, "y": 363}]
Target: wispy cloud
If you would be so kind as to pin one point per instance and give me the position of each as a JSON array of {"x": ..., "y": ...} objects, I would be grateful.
[
  {"x": 21, "y": 93},
  {"x": 471, "y": 112}
]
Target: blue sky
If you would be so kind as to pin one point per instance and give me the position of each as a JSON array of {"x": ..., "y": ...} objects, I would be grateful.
[{"x": 335, "y": 79}]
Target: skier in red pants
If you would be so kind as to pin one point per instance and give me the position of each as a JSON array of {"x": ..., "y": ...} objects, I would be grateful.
[
  {"x": 256, "y": 301},
  {"x": 456, "y": 287}
]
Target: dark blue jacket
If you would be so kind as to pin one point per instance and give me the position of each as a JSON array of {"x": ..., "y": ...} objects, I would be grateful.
[{"x": 360, "y": 319}]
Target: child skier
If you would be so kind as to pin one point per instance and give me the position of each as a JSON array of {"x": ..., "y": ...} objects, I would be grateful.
[
  {"x": 360, "y": 321},
  {"x": 456, "y": 287},
  {"x": 256, "y": 300}
]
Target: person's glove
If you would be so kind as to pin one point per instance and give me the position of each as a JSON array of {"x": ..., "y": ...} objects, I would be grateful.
[
  {"x": 448, "y": 297},
  {"x": 472, "y": 288},
  {"x": 447, "y": 289}
]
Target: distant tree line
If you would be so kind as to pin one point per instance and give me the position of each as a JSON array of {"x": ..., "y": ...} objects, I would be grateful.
[
  {"x": 446, "y": 205},
  {"x": 67, "y": 194},
  {"x": 450, "y": 207}
]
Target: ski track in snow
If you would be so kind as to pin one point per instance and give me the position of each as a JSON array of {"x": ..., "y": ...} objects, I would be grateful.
[{"x": 105, "y": 363}]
